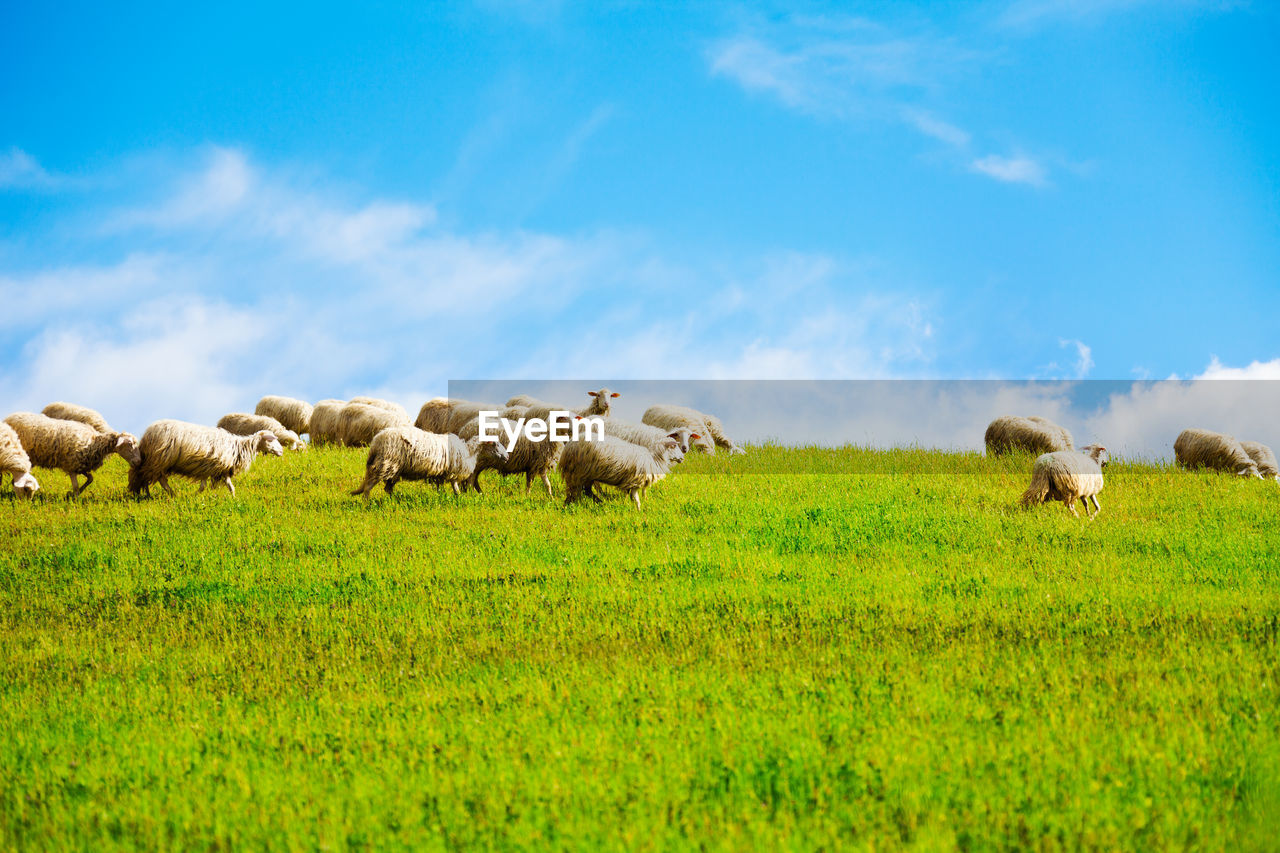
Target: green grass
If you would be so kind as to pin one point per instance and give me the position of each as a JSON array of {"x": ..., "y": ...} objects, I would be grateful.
[{"x": 881, "y": 651}]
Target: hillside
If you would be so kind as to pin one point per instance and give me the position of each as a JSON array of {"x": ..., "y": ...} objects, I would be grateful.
[{"x": 792, "y": 648}]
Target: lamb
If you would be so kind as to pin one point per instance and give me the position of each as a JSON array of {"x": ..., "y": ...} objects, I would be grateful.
[
  {"x": 379, "y": 403},
  {"x": 1201, "y": 448},
  {"x": 408, "y": 453},
  {"x": 290, "y": 413},
  {"x": 206, "y": 454},
  {"x": 325, "y": 418},
  {"x": 241, "y": 423},
  {"x": 358, "y": 423},
  {"x": 73, "y": 447},
  {"x": 1263, "y": 458},
  {"x": 599, "y": 404},
  {"x": 613, "y": 462},
  {"x": 1068, "y": 476},
  {"x": 710, "y": 429},
  {"x": 15, "y": 462},
  {"x": 1009, "y": 433},
  {"x": 72, "y": 412}
]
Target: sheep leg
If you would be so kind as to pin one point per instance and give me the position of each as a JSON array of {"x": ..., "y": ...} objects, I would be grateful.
[
  {"x": 164, "y": 483},
  {"x": 528, "y": 481},
  {"x": 457, "y": 490},
  {"x": 231, "y": 487},
  {"x": 591, "y": 493},
  {"x": 88, "y": 478},
  {"x": 1070, "y": 503},
  {"x": 1097, "y": 507},
  {"x": 546, "y": 480},
  {"x": 391, "y": 484},
  {"x": 75, "y": 487},
  {"x": 474, "y": 482},
  {"x": 635, "y": 496}
]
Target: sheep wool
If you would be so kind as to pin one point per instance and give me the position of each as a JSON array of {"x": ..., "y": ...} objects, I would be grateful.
[
  {"x": 325, "y": 418},
  {"x": 242, "y": 423},
  {"x": 1068, "y": 476},
  {"x": 358, "y": 423},
  {"x": 1263, "y": 457},
  {"x": 443, "y": 415},
  {"x": 15, "y": 462},
  {"x": 682, "y": 417},
  {"x": 651, "y": 437},
  {"x": 1202, "y": 448},
  {"x": 408, "y": 453},
  {"x": 1009, "y": 433},
  {"x": 536, "y": 408},
  {"x": 612, "y": 462},
  {"x": 379, "y": 403},
  {"x": 70, "y": 446},
  {"x": 72, "y": 412},
  {"x": 292, "y": 414},
  {"x": 202, "y": 453}
]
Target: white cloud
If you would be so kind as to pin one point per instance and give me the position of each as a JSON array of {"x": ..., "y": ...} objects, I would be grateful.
[
  {"x": 1254, "y": 370},
  {"x": 1084, "y": 356},
  {"x": 1018, "y": 169},
  {"x": 19, "y": 170},
  {"x": 931, "y": 125}
]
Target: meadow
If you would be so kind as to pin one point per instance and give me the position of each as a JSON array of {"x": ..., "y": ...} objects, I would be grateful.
[{"x": 795, "y": 649}]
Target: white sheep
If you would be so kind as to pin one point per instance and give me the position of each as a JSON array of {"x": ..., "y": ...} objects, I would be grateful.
[
  {"x": 290, "y": 413},
  {"x": 408, "y": 453},
  {"x": 70, "y": 446},
  {"x": 206, "y": 454},
  {"x": 651, "y": 437},
  {"x": 325, "y": 419},
  {"x": 15, "y": 462},
  {"x": 82, "y": 414},
  {"x": 443, "y": 415},
  {"x": 613, "y": 462},
  {"x": 599, "y": 404},
  {"x": 379, "y": 403},
  {"x": 1263, "y": 457},
  {"x": 1033, "y": 434},
  {"x": 1068, "y": 476},
  {"x": 242, "y": 423},
  {"x": 534, "y": 459},
  {"x": 707, "y": 425},
  {"x": 1202, "y": 448},
  {"x": 358, "y": 423}
]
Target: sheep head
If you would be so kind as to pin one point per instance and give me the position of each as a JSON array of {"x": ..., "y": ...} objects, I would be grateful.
[
  {"x": 1097, "y": 453},
  {"x": 25, "y": 485},
  {"x": 489, "y": 451},
  {"x": 127, "y": 448},
  {"x": 1249, "y": 470},
  {"x": 600, "y": 406},
  {"x": 266, "y": 442}
]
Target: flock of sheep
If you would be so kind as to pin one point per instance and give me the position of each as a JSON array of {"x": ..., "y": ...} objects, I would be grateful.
[
  {"x": 443, "y": 445},
  {"x": 1061, "y": 473}
]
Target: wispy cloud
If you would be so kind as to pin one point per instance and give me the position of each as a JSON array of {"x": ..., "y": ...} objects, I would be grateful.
[
  {"x": 1033, "y": 13},
  {"x": 1018, "y": 169},
  {"x": 19, "y": 170}
]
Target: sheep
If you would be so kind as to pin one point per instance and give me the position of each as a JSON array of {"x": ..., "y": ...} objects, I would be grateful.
[
  {"x": 290, "y": 413},
  {"x": 70, "y": 446},
  {"x": 1201, "y": 448},
  {"x": 15, "y": 462},
  {"x": 1068, "y": 476},
  {"x": 534, "y": 459},
  {"x": 241, "y": 423},
  {"x": 651, "y": 436},
  {"x": 613, "y": 462},
  {"x": 408, "y": 453},
  {"x": 710, "y": 429},
  {"x": 599, "y": 404},
  {"x": 443, "y": 415},
  {"x": 325, "y": 418},
  {"x": 358, "y": 423},
  {"x": 72, "y": 412},
  {"x": 1263, "y": 457},
  {"x": 202, "y": 453},
  {"x": 1034, "y": 434},
  {"x": 379, "y": 403}
]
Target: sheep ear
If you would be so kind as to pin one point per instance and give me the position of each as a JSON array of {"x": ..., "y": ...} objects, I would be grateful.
[
  {"x": 593, "y": 393},
  {"x": 615, "y": 394},
  {"x": 694, "y": 435}
]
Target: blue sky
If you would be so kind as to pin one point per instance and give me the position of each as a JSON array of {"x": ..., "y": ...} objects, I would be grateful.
[{"x": 200, "y": 206}]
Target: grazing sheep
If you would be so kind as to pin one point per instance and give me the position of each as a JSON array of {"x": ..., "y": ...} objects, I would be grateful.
[
  {"x": 534, "y": 459},
  {"x": 325, "y": 418},
  {"x": 202, "y": 453},
  {"x": 1033, "y": 434},
  {"x": 1263, "y": 457},
  {"x": 242, "y": 423},
  {"x": 15, "y": 462},
  {"x": 599, "y": 404},
  {"x": 1068, "y": 476},
  {"x": 70, "y": 446},
  {"x": 651, "y": 437},
  {"x": 613, "y": 462},
  {"x": 379, "y": 403},
  {"x": 358, "y": 423},
  {"x": 1201, "y": 448},
  {"x": 290, "y": 413},
  {"x": 442, "y": 415},
  {"x": 408, "y": 453},
  {"x": 82, "y": 414},
  {"x": 709, "y": 427}
]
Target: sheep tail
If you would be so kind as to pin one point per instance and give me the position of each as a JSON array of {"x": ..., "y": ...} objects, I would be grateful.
[{"x": 1038, "y": 491}]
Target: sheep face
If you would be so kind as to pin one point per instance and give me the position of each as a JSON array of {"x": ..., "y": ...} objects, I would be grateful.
[
  {"x": 491, "y": 453},
  {"x": 1249, "y": 470},
  {"x": 603, "y": 396},
  {"x": 26, "y": 485},
  {"x": 1097, "y": 453},
  {"x": 127, "y": 448},
  {"x": 268, "y": 443}
]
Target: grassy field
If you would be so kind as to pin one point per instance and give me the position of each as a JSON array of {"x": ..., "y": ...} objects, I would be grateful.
[{"x": 867, "y": 649}]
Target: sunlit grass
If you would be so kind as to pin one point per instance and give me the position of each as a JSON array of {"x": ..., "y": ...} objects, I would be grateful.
[{"x": 794, "y": 648}]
